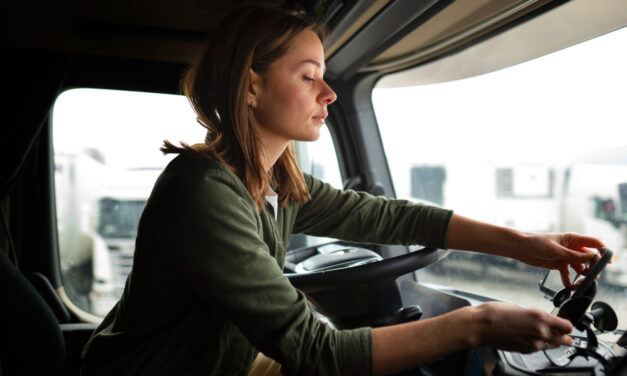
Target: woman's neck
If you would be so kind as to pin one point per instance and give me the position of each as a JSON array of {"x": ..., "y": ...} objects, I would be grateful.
[{"x": 271, "y": 151}]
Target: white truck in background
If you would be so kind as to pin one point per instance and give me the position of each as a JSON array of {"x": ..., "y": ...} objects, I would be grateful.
[
  {"x": 594, "y": 202},
  {"x": 83, "y": 253},
  {"x": 119, "y": 209},
  {"x": 587, "y": 196},
  {"x": 98, "y": 209}
]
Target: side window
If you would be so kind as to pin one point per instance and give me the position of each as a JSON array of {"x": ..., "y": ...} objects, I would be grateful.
[
  {"x": 319, "y": 158},
  {"x": 107, "y": 158}
]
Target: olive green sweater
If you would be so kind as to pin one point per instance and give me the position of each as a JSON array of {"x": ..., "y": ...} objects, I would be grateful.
[{"x": 207, "y": 291}]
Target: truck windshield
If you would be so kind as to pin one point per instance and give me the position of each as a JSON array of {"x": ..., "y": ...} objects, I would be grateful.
[{"x": 540, "y": 147}]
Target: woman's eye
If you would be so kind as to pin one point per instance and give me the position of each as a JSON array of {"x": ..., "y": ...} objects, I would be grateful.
[{"x": 308, "y": 79}]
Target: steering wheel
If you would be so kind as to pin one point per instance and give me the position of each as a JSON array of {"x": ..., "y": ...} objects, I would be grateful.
[{"x": 393, "y": 267}]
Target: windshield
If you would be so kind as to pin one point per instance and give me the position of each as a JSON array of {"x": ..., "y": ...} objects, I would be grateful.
[
  {"x": 119, "y": 218},
  {"x": 540, "y": 146}
]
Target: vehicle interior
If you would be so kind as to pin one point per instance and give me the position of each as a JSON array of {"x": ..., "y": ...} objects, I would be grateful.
[{"x": 509, "y": 111}]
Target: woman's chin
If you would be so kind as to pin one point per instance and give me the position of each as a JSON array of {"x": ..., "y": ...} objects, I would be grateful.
[{"x": 311, "y": 136}]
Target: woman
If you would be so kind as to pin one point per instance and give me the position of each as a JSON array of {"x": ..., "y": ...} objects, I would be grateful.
[{"x": 206, "y": 292}]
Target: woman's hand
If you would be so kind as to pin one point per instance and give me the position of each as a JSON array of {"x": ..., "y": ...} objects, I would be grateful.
[
  {"x": 552, "y": 251},
  {"x": 510, "y": 327},
  {"x": 495, "y": 324},
  {"x": 559, "y": 251}
]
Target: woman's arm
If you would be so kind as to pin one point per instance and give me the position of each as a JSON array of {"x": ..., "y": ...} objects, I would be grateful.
[
  {"x": 552, "y": 251},
  {"x": 500, "y": 325},
  {"x": 211, "y": 232},
  {"x": 361, "y": 217}
]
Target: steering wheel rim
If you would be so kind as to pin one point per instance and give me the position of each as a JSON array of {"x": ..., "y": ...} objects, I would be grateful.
[{"x": 353, "y": 275}]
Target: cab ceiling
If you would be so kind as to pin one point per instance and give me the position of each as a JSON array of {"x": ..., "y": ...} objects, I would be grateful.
[
  {"x": 170, "y": 31},
  {"x": 571, "y": 23},
  {"x": 162, "y": 30}
]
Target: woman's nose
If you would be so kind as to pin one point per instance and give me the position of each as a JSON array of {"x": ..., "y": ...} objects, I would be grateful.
[{"x": 327, "y": 95}]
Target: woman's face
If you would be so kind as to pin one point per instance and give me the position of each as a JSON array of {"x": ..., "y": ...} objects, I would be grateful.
[{"x": 290, "y": 100}]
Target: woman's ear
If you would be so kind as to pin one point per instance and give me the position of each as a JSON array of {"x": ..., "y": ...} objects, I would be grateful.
[{"x": 254, "y": 81}]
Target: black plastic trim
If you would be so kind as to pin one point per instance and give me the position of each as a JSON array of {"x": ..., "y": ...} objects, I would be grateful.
[
  {"x": 518, "y": 21},
  {"x": 392, "y": 23},
  {"x": 392, "y": 267}
]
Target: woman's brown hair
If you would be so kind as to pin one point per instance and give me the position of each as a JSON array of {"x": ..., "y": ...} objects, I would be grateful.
[{"x": 217, "y": 88}]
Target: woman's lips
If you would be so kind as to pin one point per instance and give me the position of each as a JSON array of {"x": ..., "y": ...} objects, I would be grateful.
[{"x": 321, "y": 117}]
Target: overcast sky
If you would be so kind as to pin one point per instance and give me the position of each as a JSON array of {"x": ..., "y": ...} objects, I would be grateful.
[{"x": 550, "y": 108}]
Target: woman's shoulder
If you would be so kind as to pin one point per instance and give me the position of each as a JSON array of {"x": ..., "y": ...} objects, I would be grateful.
[
  {"x": 316, "y": 186},
  {"x": 190, "y": 171}
]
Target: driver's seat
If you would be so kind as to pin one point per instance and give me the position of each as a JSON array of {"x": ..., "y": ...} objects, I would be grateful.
[{"x": 31, "y": 341}]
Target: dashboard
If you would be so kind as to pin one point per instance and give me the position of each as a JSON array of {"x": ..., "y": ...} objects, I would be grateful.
[
  {"x": 588, "y": 355},
  {"x": 599, "y": 346}
]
